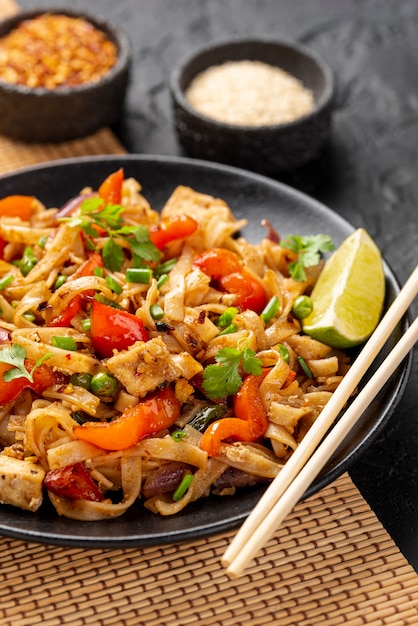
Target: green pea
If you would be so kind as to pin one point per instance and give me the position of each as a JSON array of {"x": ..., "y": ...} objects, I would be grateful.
[
  {"x": 103, "y": 384},
  {"x": 302, "y": 307},
  {"x": 81, "y": 380}
]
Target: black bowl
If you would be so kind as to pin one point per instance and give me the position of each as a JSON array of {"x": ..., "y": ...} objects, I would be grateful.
[
  {"x": 272, "y": 149},
  {"x": 64, "y": 113}
]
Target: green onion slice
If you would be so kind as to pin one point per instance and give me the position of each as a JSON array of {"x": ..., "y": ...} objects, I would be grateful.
[
  {"x": 183, "y": 487},
  {"x": 65, "y": 343}
]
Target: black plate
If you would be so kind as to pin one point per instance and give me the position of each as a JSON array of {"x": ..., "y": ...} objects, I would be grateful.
[{"x": 250, "y": 196}]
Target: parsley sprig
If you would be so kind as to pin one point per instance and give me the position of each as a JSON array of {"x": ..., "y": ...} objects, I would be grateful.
[
  {"x": 309, "y": 249},
  {"x": 223, "y": 378},
  {"x": 108, "y": 218},
  {"x": 15, "y": 355}
]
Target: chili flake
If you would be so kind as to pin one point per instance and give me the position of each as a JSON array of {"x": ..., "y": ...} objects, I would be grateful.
[{"x": 52, "y": 51}]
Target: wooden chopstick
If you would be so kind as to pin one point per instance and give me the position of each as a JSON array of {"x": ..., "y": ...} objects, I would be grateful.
[{"x": 255, "y": 531}]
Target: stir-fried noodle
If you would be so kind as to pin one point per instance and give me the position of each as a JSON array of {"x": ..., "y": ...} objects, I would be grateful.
[{"x": 146, "y": 355}]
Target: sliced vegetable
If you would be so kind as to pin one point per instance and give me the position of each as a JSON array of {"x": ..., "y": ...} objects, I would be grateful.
[
  {"x": 16, "y": 375},
  {"x": 111, "y": 188},
  {"x": 157, "y": 412},
  {"x": 6, "y": 281},
  {"x": 17, "y": 206},
  {"x": 183, "y": 487},
  {"x": 172, "y": 229},
  {"x": 227, "y": 316},
  {"x": 225, "y": 267},
  {"x": 114, "y": 329},
  {"x": 270, "y": 309},
  {"x": 65, "y": 343},
  {"x": 73, "y": 482},
  {"x": 139, "y": 275},
  {"x": 249, "y": 424}
]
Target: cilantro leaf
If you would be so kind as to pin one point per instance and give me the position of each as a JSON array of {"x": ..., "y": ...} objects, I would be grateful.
[
  {"x": 109, "y": 216},
  {"x": 113, "y": 255},
  {"x": 309, "y": 249},
  {"x": 15, "y": 355},
  {"x": 109, "y": 219},
  {"x": 223, "y": 378}
]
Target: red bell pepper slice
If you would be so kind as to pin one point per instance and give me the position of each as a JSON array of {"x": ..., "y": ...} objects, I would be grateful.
[
  {"x": 64, "y": 319},
  {"x": 76, "y": 304},
  {"x": 43, "y": 377},
  {"x": 111, "y": 188},
  {"x": 17, "y": 206},
  {"x": 249, "y": 424},
  {"x": 157, "y": 412},
  {"x": 225, "y": 267},
  {"x": 218, "y": 262},
  {"x": 87, "y": 268},
  {"x": 114, "y": 329},
  {"x": 172, "y": 229},
  {"x": 249, "y": 291},
  {"x": 3, "y": 244},
  {"x": 73, "y": 482}
]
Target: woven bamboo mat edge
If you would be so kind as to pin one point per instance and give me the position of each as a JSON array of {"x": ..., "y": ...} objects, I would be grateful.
[{"x": 331, "y": 562}]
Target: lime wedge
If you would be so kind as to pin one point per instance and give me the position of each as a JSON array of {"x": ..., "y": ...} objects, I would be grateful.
[{"x": 348, "y": 296}]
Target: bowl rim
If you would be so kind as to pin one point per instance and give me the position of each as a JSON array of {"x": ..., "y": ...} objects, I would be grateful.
[
  {"x": 321, "y": 104},
  {"x": 116, "y": 34}
]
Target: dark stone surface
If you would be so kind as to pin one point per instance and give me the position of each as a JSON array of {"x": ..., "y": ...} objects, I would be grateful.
[{"x": 368, "y": 175}]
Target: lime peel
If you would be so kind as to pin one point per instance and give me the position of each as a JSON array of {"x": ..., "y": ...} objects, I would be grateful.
[{"x": 349, "y": 294}]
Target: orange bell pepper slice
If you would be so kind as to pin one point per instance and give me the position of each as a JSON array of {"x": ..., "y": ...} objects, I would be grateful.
[
  {"x": 172, "y": 229},
  {"x": 249, "y": 424},
  {"x": 17, "y": 206},
  {"x": 111, "y": 188},
  {"x": 157, "y": 412}
]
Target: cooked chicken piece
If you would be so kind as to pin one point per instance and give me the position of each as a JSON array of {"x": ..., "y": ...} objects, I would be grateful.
[
  {"x": 20, "y": 483},
  {"x": 147, "y": 365}
]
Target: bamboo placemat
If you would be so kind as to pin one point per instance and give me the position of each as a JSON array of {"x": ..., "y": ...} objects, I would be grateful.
[{"x": 331, "y": 563}]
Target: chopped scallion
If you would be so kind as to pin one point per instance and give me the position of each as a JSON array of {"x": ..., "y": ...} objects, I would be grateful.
[
  {"x": 113, "y": 285},
  {"x": 157, "y": 313},
  {"x": 6, "y": 281},
  {"x": 139, "y": 275},
  {"x": 29, "y": 316},
  {"x": 226, "y": 317},
  {"x": 65, "y": 343},
  {"x": 232, "y": 328},
  {"x": 61, "y": 279},
  {"x": 183, "y": 487},
  {"x": 165, "y": 268},
  {"x": 98, "y": 271},
  {"x": 305, "y": 367},
  {"x": 270, "y": 309},
  {"x": 178, "y": 435},
  {"x": 284, "y": 352},
  {"x": 163, "y": 279},
  {"x": 86, "y": 324}
]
